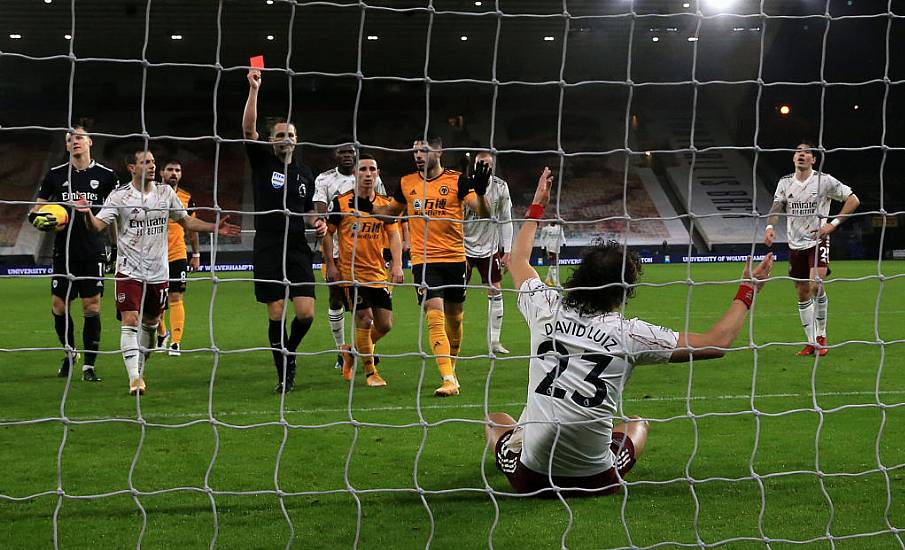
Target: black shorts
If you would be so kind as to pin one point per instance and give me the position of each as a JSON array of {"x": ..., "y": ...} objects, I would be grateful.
[
  {"x": 268, "y": 262},
  {"x": 526, "y": 480},
  {"x": 487, "y": 266},
  {"x": 443, "y": 280},
  {"x": 178, "y": 270},
  {"x": 90, "y": 281},
  {"x": 365, "y": 297}
]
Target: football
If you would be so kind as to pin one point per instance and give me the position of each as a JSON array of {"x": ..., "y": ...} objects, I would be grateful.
[{"x": 59, "y": 212}]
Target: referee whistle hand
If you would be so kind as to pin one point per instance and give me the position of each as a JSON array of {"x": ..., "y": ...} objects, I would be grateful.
[{"x": 480, "y": 177}]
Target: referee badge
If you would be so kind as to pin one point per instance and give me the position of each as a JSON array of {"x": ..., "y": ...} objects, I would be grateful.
[{"x": 278, "y": 180}]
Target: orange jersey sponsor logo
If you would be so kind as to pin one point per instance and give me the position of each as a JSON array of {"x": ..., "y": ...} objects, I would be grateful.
[
  {"x": 437, "y": 207},
  {"x": 361, "y": 240}
]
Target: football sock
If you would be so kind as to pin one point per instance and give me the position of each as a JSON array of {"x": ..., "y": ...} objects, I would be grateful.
[
  {"x": 299, "y": 330},
  {"x": 365, "y": 348},
  {"x": 64, "y": 327},
  {"x": 128, "y": 343},
  {"x": 554, "y": 274},
  {"x": 91, "y": 338},
  {"x": 337, "y": 326},
  {"x": 454, "y": 333},
  {"x": 439, "y": 341},
  {"x": 163, "y": 323},
  {"x": 806, "y": 313},
  {"x": 496, "y": 317},
  {"x": 148, "y": 337},
  {"x": 177, "y": 321},
  {"x": 821, "y": 306},
  {"x": 277, "y": 337}
]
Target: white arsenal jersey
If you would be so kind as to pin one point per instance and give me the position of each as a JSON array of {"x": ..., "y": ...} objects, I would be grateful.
[
  {"x": 807, "y": 204},
  {"x": 576, "y": 380},
  {"x": 141, "y": 229},
  {"x": 483, "y": 237}
]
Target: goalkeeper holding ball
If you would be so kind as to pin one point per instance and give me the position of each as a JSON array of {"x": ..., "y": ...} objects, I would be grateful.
[
  {"x": 583, "y": 351},
  {"x": 76, "y": 251}
]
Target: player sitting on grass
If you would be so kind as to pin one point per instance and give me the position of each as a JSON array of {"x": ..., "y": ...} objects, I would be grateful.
[
  {"x": 141, "y": 211},
  {"x": 361, "y": 265},
  {"x": 583, "y": 352}
]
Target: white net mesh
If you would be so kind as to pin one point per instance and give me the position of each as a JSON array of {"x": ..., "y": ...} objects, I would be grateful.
[{"x": 660, "y": 120}]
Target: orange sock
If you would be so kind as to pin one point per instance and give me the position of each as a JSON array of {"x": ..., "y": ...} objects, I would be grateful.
[
  {"x": 162, "y": 329},
  {"x": 177, "y": 321},
  {"x": 365, "y": 349},
  {"x": 439, "y": 341},
  {"x": 454, "y": 333}
]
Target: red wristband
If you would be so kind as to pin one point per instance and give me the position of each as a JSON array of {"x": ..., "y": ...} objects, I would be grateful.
[
  {"x": 535, "y": 212},
  {"x": 745, "y": 294}
]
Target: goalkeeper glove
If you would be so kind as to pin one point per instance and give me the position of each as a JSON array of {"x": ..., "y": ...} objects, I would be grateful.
[
  {"x": 480, "y": 177},
  {"x": 42, "y": 221},
  {"x": 110, "y": 254},
  {"x": 363, "y": 204}
]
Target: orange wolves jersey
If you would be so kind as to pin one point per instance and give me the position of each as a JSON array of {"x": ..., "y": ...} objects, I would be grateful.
[
  {"x": 363, "y": 234},
  {"x": 440, "y": 197},
  {"x": 175, "y": 232}
]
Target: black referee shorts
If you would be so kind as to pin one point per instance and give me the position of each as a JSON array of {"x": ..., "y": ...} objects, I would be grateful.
[
  {"x": 444, "y": 280},
  {"x": 269, "y": 266}
]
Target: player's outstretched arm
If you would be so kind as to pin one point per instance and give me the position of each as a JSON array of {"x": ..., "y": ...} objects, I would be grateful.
[
  {"x": 91, "y": 221},
  {"x": 724, "y": 331},
  {"x": 250, "y": 115},
  {"x": 848, "y": 207},
  {"x": 520, "y": 258},
  {"x": 224, "y": 229}
]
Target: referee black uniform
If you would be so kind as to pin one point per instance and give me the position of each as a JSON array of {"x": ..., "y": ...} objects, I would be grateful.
[{"x": 274, "y": 182}]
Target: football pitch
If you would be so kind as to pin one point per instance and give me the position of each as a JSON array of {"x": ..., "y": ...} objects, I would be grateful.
[{"x": 757, "y": 444}]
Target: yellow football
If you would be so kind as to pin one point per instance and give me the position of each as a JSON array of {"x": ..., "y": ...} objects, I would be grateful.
[{"x": 59, "y": 212}]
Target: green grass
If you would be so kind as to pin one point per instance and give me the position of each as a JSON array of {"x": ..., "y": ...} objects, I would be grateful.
[{"x": 386, "y": 444}]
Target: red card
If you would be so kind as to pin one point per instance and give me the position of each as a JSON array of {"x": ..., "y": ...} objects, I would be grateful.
[{"x": 257, "y": 62}]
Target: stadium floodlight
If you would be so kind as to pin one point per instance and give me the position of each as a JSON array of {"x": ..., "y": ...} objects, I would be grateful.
[
  {"x": 15, "y": 36},
  {"x": 67, "y": 36},
  {"x": 175, "y": 37},
  {"x": 373, "y": 37},
  {"x": 463, "y": 38},
  {"x": 785, "y": 109},
  {"x": 719, "y": 6},
  {"x": 692, "y": 38},
  {"x": 549, "y": 38},
  {"x": 478, "y": 3},
  {"x": 655, "y": 39},
  {"x": 269, "y": 37},
  {"x": 686, "y": 5},
  {"x": 856, "y": 106}
]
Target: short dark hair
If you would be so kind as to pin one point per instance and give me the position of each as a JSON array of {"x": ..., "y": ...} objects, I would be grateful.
[
  {"x": 432, "y": 140},
  {"x": 129, "y": 157},
  {"x": 345, "y": 141},
  {"x": 273, "y": 121},
  {"x": 602, "y": 264},
  {"x": 366, "y": 156},
  {"x": 177, "y": 162}
]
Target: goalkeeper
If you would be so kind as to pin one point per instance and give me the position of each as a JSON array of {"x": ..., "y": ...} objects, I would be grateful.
[
  {"x": 583, "y": 352},
  {"x": 76, "y": 251},
  {"x": 433, "y": 198}
]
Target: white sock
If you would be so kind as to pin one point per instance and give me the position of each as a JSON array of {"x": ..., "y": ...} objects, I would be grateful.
[
  {"x": 496, "y": 317},
  {"x": 822, "y": 303},
  {"x": 128, "y": 343},
  {"x": 554, "y": 274},
  {"x": 806, "y": 313},
  {"x": 337, "y": 326}
]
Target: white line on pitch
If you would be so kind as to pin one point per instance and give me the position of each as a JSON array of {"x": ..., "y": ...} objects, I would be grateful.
[{"x": 494, "y": 406}]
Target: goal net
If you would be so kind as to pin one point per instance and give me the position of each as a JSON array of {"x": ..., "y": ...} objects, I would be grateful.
[{"x": 667, "y": 125}]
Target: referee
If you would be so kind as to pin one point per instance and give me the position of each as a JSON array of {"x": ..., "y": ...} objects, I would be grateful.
[
  {"x": 281, "y": 251},
  {"x": 76, "y": 251}
]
